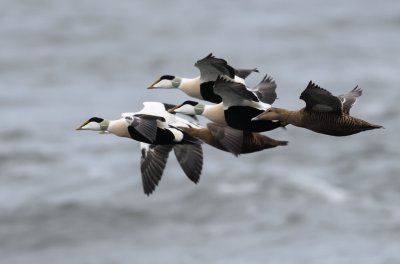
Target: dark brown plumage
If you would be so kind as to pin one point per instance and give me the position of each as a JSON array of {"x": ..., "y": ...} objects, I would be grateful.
[
  {"x": 232, "y": 140},
  {"x": 324, "y": 113}
]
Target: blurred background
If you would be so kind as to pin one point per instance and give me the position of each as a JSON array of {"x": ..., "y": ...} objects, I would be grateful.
[{"x": 69, "y": 197}]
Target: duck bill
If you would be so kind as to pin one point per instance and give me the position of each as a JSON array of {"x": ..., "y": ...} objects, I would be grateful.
[
  {"x": 81, "y": 126},
  {"x": 154, "y": 83},
  {"x": 259, "y": 117},
  {"x": 172, "y": 110}
]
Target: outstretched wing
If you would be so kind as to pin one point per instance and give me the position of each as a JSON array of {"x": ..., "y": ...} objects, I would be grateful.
[
  {"x": 190, "y": 157},
  {"x": 152, "y": 164},
  {"x": 266, "y": 90},
  {"x": 211, "y": 67},
  {"x": 244, "y": 73},
  {"x": 231, "y": 139},
  {"x": 350, "y": 98},
  {"x": 320, "y": 100},
  {"x": 232, "y": 93},
  {"x": 144, "y": 126}
]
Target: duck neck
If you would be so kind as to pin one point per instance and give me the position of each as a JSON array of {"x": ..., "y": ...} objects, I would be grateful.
[
  {"x": 199, "y": 109},
  {"x": 191, "y": 87},
  {"x": 215, "y": 113},
  {"x": 118, "y": 127},
  {"x": 290, "y": 117}
]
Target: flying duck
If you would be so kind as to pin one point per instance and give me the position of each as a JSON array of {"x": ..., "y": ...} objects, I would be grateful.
[
  {"x": 324, "y": 113},
  {"x": 239, "y": 106},
  {"x": 233, "y": 140},
  {"x": 157, "y": 130},
  {"x": 210, "y": 68}
]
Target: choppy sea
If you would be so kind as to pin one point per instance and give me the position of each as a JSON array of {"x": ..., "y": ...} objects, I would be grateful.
[{"x": 69, "y": 197}]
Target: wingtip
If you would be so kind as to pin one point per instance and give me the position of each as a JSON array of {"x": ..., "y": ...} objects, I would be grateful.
[
  {"x": 268, "y": 79},
  {"x": 196, "y": 181},
  {"x": 220, "y": 79},
  {"x": 223, "y": 78},
  {"x": 209, "y": 56},
  {"x": 283, "y": 143},
  {"x": 148, "y": 192},
  {"x": 310, "y": 84},
  {"x": 358, "y": 90}
]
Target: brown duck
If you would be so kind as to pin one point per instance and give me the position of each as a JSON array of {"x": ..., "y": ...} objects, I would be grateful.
[
  {"x": 324, "y": 113},
  {"x": 233, "y": 140}
]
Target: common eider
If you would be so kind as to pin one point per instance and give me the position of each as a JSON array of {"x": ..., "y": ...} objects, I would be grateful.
[
  {"x": 210, "y": 68},
  {"x": 157, "y": 130},
  {"x": 233, "y": 140},
  {"x": 239, "y": 106},
  {"x": 324, "y": 113}
]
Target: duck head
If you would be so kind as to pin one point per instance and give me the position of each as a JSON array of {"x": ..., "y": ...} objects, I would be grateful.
[
  {"x": 95, "y": 124},
  {"x": 188, "y": 108},
  {"x": 166, "y": 82},
  {"x": 272, "y": 114}
]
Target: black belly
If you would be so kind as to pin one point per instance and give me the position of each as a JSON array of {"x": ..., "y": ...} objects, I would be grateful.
[
  {"x": 163, "y": 136},
  {"x": 239, "y": 117}
]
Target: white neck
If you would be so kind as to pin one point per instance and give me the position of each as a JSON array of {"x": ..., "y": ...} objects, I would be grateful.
[
  {"x": 191, "y": 87},
  {"x": 215, "y": 113},
  {"x": 119, "y": 127}
]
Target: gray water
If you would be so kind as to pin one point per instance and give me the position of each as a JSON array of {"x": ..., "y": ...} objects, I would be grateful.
[{"x": 69, "y": 197}]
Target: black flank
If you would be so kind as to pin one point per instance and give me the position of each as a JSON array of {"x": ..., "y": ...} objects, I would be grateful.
[
  {"x": 239, "y": 117},
  {"x": 207, "y": 92}
]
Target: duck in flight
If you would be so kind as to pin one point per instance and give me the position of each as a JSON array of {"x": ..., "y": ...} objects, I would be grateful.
[
  {"x": 158, "y": 132},
  {"x": 210, "y": 68},
  {"x": 324, "y": 113},
  {"x": 239, "y": 106},
  {"x": 233, "y": 140}
]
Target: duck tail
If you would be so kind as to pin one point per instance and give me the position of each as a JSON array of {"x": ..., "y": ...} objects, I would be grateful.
[
  {"x": 281, "y": 143},
  {"x": 372, "y": 126}
]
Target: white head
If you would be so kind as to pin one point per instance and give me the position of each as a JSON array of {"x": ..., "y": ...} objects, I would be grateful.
[
  {"x": 166, "y": 82},
  {"x": 95, "y": 124},
  {"x": 188, "y": 108}
]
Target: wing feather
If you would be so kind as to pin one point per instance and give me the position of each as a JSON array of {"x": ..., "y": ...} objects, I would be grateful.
[
  {"x": 211, "y": 67},
  {"x": 231, "y": 139},
  {"x": 190, "y": 158},
  {"x": 350, "y": 98},
  {"x": 152, "y": 164},
  {"x": 320, "y": 100},
  {"x": 233, "y": 93},
  {"x": 146, "y": 127},
  {"x": 244, "y": 73},
  {"x": 266, "y": 90}
]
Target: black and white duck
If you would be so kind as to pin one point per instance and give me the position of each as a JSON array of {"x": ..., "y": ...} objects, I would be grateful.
[
  {"x": 158, "y": 132},
  {"x": 210, "y": 68}
]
